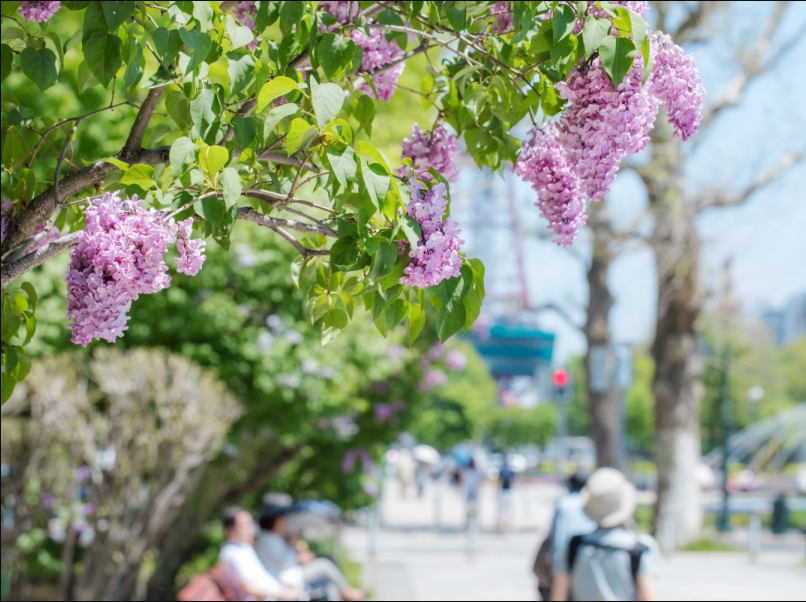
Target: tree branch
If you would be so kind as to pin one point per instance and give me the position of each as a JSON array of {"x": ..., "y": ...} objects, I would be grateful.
[
  {"x": 138, "y": 132},
  {"x": 13, "y": 270},
  {"x": 754, "y": 65},
  {"x": 559, "y": 310},
  {"x": 25, "y": 224},
  {"x": 714, "y": 198}
]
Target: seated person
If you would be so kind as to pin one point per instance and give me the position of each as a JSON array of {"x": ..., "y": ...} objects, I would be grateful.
[
  {"x": 297, "y": 568},
  {"x": 238, "y": 554}
]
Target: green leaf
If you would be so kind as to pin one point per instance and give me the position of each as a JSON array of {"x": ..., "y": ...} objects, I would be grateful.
[
  {"x": 384, "y": 260},
  {"x": 168, "y": 44},
  {"x": 457, "y": 17},
  {"x": 275, "y": 116},
  {"x": 396, "y": 313},
  {"x": 203, "y": 13},
  {"x": 299, "y": 134},
  {"x": 617, "y": 56},
  {"x": 7, "y": 384},
  {"x": 213, "y": 159},
  {"x": 39, "y": 65},
  {"x": 563, "y": 22},
  {"x": 290, "y": 13},
  {"x": 450, "y": 292},
  {"x": 231, "y": 185},
  {"x": 327, "y": 101},
  {"x": 630, "y": 24},
  {"x": 364, "y": 112},
  {"x": 115, "y": 13},
  {"x": 593, "y": 33},
  {"x": 377, "y": 182},
  {"x": 102, "y": 53},
  {"x": 94, "y": 20},
  {"x": 201, "y": 111},
  {"x": 178, "y": 107},
  {"x": 245, "y": 131},
  {"x": 416, "y": 317},
  {"x": 450, "y": 321},
  {"x": 279, "y": 86},
  {"x": 472, "y": 302},
  {"x": 31, "y": 292},
  {"x": 411, "y": 229},
  {"x": 200, "y": 45},
  {"x": 134, "y": 68},
  {"x": 240, "y": 69},
  {"x": 342, "y": 164},
  {"x": 335, "y": 54},
  {"x": 213, "y": 210},
  {"x": 239, "y": 35},
  {"x": 183, "y": 154},
  {"x": 6, "y": 60},
  {"x": 366, "y": 150},
  {"x": 140, "y": 174}
]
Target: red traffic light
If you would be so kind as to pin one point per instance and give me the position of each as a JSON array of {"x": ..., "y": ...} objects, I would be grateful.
[{"x": 560, "y": 377}]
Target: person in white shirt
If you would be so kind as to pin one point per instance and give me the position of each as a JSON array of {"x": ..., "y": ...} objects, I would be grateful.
[{"x": 239, "y": 555}]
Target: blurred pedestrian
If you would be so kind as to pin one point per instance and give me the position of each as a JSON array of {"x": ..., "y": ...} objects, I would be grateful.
[
  {"x": 614, "y": 562},
  {"x": 471, "y": 479},
  {"x": 406, "y": 469},
  {"x": 506, "y": 497}
]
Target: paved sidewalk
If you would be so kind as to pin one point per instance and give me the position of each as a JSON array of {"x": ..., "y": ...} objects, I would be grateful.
[{"x": 413, "y": 560}]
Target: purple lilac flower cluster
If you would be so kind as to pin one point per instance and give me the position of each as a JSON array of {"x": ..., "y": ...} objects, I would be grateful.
[
  {"x": 39, "y": 11},
  {"x": 676, "y": 83},
  {"x": 436, "y": 256},
  {"x": 503, "y": 17},
  {"x": 437, "y": 149},
  {"x": 120, "y": 256},
  {"x": 544, "y": 163},
  {"x": 576, "y": 159}
]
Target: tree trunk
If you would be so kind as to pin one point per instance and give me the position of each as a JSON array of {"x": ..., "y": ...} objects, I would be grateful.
[
  {"x": 676, "y": 385},
  {"x": 604, "y": 402}
]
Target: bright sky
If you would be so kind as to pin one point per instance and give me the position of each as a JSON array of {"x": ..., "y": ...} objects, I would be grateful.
[{"x": 766, "y": 237}]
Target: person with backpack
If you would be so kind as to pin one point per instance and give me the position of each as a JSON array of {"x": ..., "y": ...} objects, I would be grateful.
[
  {"x": 569, "y": 520},
  {"x": 614, "y": 562}
]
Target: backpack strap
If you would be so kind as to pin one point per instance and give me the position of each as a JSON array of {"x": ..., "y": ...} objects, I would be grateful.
[
  {"x": 573, "y": 548},
  {"x": 635, "y": 558}
]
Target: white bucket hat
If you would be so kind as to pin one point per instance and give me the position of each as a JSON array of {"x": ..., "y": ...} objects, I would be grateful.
[{"x": 609, "y": 498}]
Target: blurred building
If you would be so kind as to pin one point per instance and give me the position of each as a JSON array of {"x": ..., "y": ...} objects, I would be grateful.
[{"x": 789, "y": 322}]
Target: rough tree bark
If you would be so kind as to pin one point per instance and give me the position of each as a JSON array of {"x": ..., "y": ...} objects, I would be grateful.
[
  {"x": 604, "y": 404},
  {"x": 676, "y": 385}
]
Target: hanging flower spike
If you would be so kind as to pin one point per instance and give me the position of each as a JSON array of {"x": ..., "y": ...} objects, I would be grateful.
[
  {"x": 545, "y": 165},
  {"x": 676, "y": 83},
  {"x": 39, "y": 11},
  {"x": 436, "y": 149},
  {"x": 436, "y": 256}
]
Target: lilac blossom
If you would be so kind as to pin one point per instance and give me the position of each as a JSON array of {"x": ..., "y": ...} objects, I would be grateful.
[
  {"x": 378, "y": 54},
  {"x": 435, "y": 257},
  {"x": 676, "y": 83},
  {"x": 39, "y": 11},
  {"x": 503, "y": 17},
  {"x": 545, "y": 165},
  {"x": 119, "y": 256},
  {"x": 436, "y": 149}
]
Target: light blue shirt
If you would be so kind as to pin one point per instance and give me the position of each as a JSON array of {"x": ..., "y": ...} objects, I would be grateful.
[{"x": 569, "y": 520}]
